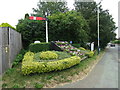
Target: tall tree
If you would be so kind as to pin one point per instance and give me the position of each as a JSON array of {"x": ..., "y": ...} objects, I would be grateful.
[
  {"x": 50, "y": 7},
  {"x": 68, "y": 26},
  {"x": 31, "y": 30},
  {"x": 107, "y": 25}
]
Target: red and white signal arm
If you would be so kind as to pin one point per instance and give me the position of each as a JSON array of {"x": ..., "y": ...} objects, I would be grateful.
[{"x": 37, "y": 18}]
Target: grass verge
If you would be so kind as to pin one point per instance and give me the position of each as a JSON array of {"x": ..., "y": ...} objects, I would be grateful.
[{"x": 13, "y": 78}]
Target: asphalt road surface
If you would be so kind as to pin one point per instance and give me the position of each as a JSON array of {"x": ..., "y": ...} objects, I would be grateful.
[{"x": 104, "y": 74}]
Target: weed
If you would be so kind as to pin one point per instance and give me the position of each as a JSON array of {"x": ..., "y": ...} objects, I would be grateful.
[
  {"x": 19, "y": 58},
  {"x": 49, "y": 77},
  {"x": 38, "y": 85},
  {"x": 16, "y": 86},
  {"x": 4, "y": 85},
  {"x": 10, "y": 71}
]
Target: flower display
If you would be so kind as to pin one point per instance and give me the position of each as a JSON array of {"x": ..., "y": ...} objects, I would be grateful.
[{"x": 65, "y": 46}]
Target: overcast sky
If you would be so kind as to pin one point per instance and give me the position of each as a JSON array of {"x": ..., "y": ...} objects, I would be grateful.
[{"x": 13, "y": 10}]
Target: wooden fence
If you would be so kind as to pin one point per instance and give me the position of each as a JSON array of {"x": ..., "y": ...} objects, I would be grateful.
[{"x": 10, "y": 45}]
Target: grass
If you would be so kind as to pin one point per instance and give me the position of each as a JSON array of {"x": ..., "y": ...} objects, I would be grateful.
[
  {"x": 38, "y": 85},
  {"x": 13, "y": 78}
]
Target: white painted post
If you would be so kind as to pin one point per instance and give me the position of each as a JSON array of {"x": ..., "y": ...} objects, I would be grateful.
[
  {"x": 92, "y": 46},
  {"x": 46, "y": 29}
]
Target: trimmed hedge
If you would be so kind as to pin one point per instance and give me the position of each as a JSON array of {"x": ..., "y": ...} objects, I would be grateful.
[
  {"x": 81, "y": 48},
  {"x": 76, "y": 45},
  {"x": 38, "y": 47},
  {"x": 90, "y": 54},
  {"x": 48, "y": 55},
  {"x": 29, "y": 66},
  {"x": 116, "y": 41}
]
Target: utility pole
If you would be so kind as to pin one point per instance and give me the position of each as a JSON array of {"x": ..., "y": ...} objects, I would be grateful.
[
  {"x": 98, "y": 22},
  {"x": 98, "y": 30}
]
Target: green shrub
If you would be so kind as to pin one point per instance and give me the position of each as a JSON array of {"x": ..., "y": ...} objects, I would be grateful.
[
  {"x": 76, "y": 45},
  {"x": 38, "y": 47},
  {"x": 90, "y": 54},
  {"x": 6, "y": 25},
  {"x": 61, "y": 55},
  {"x": 60, "y": 43},
  {"x": 4, "y": 85},
  {"x": 81, "y": 48},
  {"x": 116, "y": 41},
  {"x": 19, "y": 57},
  {"x": 16, "y": 86},
  {"x": 48, "y": 55},
  {"x": 10, "y": 71},
  {"x": 28, "y": 56},
  {"x": 30, "y": 66}
]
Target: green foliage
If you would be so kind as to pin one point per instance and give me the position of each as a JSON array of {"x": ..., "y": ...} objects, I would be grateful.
[
  {"x": 31, "y": 31},
  {"x": 48, "y": 55},
  {"x": 38, "y": 85},
  {"x": 4, "y": 85},
  {"x": 30, "y": 66},
  {"x": 16, "y": 86},
  {"x": 10, "y": 71},
  {"x": 65, "y": 26},
  {"x": 38, "y": 47},
  {"x": 62, "y": 26},
  {"x": 90, "y": 54},
  {"x": 60, "y": 43},
  {"x": 116, "y": 41},
  {"x": 50, "y": 8},
  {"x": 28, "y": 56},
  {"x": 107, "y": 25},
  {"x": 61, "y": 55},
  {"x": 6, "y": 25},
  {"x": 26, "y": 16},
  {"x": 81, "y": 48},
  {"x": 19, "y": 57},
  {"x": 76, "y": 45}
]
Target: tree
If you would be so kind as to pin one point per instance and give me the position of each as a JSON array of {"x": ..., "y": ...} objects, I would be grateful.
[
  {"x": 62, "y": 26},
  {"x": 26, "y": 16},
  {"x": 31, "y": 30},
  {"x": 68, "y": 26},
  {"x": 50, "y": 8},
  {"x": 107, "y": 25}
]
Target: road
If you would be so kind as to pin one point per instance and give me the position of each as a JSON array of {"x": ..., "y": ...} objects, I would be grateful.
[{"x": 104, "y": 74}]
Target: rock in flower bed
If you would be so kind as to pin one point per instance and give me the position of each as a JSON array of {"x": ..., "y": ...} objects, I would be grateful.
[{"x": 65, "y": 46}]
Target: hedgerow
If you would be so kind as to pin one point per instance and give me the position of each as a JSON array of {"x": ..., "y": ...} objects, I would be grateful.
[
  {"x": 29, "y": 66},
  {"x": 38, "y": 47},
  {"x": 90, "y": 54}
]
